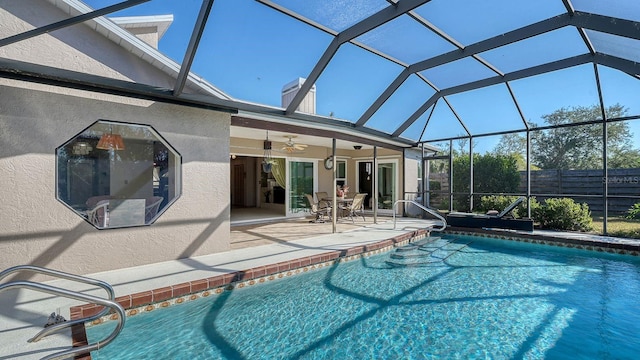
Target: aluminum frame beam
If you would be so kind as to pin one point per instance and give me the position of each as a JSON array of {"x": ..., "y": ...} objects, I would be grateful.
[
  {"x": 190, "y": 53},
  {"x": 473, "y": 49},
  {"x": 70, "y": 21},
  {"x": 627, "y": 66},
  {"x": 385, "y": 15},
  {"x": 580, "y": 20}
]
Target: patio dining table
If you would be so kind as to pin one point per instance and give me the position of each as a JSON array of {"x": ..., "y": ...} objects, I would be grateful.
[
  {"x": 340, "y": 200},
  {"x": 342, "y": 203}
]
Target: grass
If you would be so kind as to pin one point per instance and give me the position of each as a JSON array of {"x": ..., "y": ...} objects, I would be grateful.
[{"x": 618, "y": 227}]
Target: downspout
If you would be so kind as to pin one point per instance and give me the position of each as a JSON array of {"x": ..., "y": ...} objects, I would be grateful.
[
  {"x": 404, "y": 179},
  {"x": 470, "y": 174},
  {"x": 334, "y": 196},
  {"x": 423, "y": 187},
  {"x": 529, "y": 173},
  {"x": 374, "y": 184},
  {"x": 450, "y": 176}
]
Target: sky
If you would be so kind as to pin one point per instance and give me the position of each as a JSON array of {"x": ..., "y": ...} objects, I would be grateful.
[{"x": 250, "y": 51}]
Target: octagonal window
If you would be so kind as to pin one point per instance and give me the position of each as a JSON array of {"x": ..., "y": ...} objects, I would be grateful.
[{"x": 116, "y": 174}]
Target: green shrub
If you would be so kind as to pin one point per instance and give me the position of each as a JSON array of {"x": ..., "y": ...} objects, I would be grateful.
[
  {"x": 498, "y": 203},
  {"x": 634, "y": 212},
  {"x": 563, "y": 214},
  {"x": 491, "y": 173}
]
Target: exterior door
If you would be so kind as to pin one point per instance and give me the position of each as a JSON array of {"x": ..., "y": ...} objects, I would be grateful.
[
  {"x": 301, "y": 178},
  {"x": 237, "y": 193},
  {"x": 387, "y": 183},
  {"x": 365, "y": 183}
]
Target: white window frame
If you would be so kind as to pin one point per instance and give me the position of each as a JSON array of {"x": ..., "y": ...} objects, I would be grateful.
[{"x": 287, "y": 197}]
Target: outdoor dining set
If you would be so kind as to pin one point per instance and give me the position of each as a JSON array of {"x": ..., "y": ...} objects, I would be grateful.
[{"x": 347, "y": 208}]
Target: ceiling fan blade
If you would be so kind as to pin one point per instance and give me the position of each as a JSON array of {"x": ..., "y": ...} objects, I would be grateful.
[{"x": 291, "y": 147}]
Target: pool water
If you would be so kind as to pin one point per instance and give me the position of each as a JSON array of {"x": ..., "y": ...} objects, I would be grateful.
[{"x": 458, "y": 297}]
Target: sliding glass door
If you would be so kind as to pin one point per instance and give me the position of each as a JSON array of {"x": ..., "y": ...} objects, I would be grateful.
[
  {"x": 387, "y": 180},
  {"x": 301, "y": 178},
  {"x": 386, "y": 185}
]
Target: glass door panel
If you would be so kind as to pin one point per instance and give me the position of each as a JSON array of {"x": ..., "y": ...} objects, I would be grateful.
[
  {"x": 301, "y": 182},
  {"x": 386, "y": 185},
  {"x": 365, "y": 182}
]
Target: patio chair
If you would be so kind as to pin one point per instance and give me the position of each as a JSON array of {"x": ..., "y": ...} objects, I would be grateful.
[
  {"x": 152, "y": 205},
  {"x": 323, "y": 203},
  {"x": 320, "y": 213},
  {"x": 355, "y": 208},
  {"x": 98, "y": 215}
]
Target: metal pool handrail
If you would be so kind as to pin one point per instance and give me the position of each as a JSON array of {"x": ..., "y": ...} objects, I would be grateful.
[
  {"x": 77, "y": 296},
  {"x": 430, "y": 211},
  {"x": 63, "y": 275},
  {"x": 108, "y": 304}
]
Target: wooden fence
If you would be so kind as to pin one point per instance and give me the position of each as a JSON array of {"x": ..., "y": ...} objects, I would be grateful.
[
  {"x": 584, "y": 186},
  {"x": 621, "y": 182}
]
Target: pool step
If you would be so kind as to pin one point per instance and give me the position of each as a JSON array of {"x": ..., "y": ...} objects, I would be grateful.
[
  {"x": 416, "y": 244},
  {"x": 419, "y": 248},
  {"x": 426, "y": 253}
]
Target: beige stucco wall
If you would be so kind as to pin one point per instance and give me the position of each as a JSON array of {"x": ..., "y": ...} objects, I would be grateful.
[
  {"x": 147, "y": 34},
  {"x": 411, "y": 176},
  {"x": 76, "y": 48},
  {"x": 35, "y": 228}
]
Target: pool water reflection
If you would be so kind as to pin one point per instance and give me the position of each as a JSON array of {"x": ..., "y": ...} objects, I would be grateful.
[{"x": 466, "y": 297}]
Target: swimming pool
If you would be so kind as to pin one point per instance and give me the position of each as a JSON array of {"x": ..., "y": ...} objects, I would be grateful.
[{"x": 456, "y": 297}]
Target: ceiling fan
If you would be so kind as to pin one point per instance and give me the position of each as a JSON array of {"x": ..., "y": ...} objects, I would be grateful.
[{"x": 290, "y": 146}]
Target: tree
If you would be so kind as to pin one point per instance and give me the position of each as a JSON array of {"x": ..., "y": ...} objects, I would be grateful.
[
  {"x": 516, "y": 146},
  {"x": 511, "y": 144},
  {"x": 491, "y": 173},
  {"x": 461, "y": 146},
  {"x": 575, "y": 147},
  {"x": 623, "y": 159}
]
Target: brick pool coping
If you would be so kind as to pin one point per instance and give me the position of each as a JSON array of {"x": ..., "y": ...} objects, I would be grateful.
[
  {"x": 218, "y": 283},
  {"x": 162, "y": 297},
  {"x": 562, "y": 239}
]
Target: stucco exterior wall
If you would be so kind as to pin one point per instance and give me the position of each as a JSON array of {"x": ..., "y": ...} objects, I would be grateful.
[
  {"x": 73, "y": 48},
  {"x": 35, "y": 228}
]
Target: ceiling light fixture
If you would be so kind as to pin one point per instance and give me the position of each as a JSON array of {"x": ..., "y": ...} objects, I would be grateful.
[
  {"x": 82, "y": 148},
  {"x": 110, "y": 141},
  {"x": 266, "y": 161}
]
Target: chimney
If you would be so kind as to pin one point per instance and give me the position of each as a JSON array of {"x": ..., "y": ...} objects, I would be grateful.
[
  {"x": 289, "y": 91},
  {"x": 149, "y": 29}
]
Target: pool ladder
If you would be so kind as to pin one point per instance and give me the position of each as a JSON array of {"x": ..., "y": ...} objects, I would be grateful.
[
  {"x": 109, "y": 304},
  {"x": 424, "y": 208}
]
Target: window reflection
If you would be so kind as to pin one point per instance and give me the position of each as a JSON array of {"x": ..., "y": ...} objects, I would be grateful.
[{"x": 118, "y": 174}]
